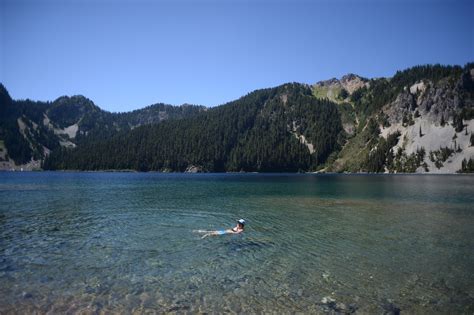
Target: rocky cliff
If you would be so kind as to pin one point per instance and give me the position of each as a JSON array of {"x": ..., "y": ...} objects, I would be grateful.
[{"x": 426, "y": 126}]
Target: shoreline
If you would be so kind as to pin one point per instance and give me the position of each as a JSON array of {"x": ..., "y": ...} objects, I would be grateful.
[{"x": 231, "y": 173}]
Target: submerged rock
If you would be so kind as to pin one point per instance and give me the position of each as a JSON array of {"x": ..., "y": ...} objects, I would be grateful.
[
  {"x": 330, "y": 304},
  {"x": 178, "y": 308},
  {"x": 327, "y": 300},
  {"x": 26, "y": 295},
  {"x": 326, "y": 275},
  {"x": 391, "y": 309}
]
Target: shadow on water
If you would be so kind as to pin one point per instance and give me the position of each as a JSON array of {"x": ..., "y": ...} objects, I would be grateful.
[{"x": 242, "y": 243}]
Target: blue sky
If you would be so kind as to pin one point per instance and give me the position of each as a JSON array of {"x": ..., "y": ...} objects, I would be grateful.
[{"x": 128, "y": 54}]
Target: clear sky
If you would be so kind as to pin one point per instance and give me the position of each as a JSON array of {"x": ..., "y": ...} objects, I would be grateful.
[{"x": 129, "y": 54}]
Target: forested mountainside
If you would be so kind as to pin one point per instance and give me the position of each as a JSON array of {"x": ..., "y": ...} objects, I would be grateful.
[
  {"x": 30, "y": 131},
  {"x": 278, "y": 129},
  {"x": 420, "y": 120}
]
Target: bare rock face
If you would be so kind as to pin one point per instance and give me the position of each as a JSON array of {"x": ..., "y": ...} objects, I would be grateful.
[
  {"x": 193, "y": 169},
  {"x": 440, "y": 102},
  {"x": 432, "y": 122},
  {"x": 327, "y": 83},
  {"x": 434, "y": 102},
  {"x": 418, "y": 87},
  {"x": 403, "y": 104},
  {"x": 352, "y": 82}
]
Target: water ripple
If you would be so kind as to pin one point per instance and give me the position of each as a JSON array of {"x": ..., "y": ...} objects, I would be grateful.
[{"x": 124, "y": 243}]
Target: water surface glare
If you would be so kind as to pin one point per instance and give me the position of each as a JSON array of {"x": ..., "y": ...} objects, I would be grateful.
[{"x": 124, "y": 242}]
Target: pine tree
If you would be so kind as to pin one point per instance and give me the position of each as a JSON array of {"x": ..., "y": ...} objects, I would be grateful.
[{"x": 458, "y": 123}]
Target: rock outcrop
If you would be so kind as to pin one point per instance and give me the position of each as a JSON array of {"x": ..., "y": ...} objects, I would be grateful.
[{"x": 194, "y": 169}]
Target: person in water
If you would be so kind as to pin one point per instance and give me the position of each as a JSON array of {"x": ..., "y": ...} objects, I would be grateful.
[{"x": 239, "y": 228}]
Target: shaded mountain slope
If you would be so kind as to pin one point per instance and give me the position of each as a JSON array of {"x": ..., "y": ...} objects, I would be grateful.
[{"x": 30, "y": 130}]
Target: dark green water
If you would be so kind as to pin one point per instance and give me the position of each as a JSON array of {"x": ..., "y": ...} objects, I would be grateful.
[{"x": 124, "y": 242}]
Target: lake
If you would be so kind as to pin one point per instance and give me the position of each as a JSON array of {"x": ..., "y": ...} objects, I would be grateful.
[{"x": 124, "y": 242}]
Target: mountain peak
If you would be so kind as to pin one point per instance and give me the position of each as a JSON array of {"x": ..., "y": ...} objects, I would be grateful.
[
  {"x": 351, "y": 76},
  {"x": 5, "y": 97},
  {"x": 352, "y": 82},
  {"x": 78, "y": 99},
  {"x": 335, "y": 89}
]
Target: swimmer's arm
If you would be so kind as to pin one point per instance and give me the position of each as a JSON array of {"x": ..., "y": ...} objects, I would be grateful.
[{"x": 232, "y": 231}]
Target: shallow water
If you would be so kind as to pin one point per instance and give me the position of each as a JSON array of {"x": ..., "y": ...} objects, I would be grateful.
[{"x": 124, "y": 242}]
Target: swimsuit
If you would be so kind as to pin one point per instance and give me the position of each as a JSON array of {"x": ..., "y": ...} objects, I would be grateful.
[{"x": 222, "y": 232}]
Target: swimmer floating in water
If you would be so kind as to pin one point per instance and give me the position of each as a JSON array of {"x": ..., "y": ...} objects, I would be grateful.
[{"x": 239, "y": 228}]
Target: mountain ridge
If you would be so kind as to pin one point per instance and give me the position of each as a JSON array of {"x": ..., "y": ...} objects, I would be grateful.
[
  {"x": 33, "y": 129},
  {"x": 336, "y": 125}
]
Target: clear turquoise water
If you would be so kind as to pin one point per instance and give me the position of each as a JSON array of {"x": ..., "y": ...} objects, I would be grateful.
[{"x": 124, "y": 242}]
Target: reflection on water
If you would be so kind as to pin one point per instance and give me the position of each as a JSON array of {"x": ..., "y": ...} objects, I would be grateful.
[{"x": 93, "y": 242}]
